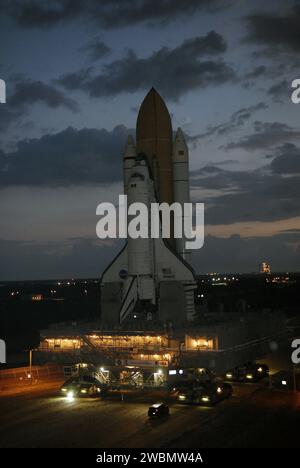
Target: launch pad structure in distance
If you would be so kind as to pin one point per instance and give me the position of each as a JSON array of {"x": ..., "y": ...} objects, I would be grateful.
[{"x": 149, "y": 330}]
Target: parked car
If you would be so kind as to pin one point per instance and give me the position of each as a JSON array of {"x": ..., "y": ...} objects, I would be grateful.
[
  {"x": 250, "y": 372},
  {"x": 158, "y": 410},
  {"x": 206, "y": 394}
]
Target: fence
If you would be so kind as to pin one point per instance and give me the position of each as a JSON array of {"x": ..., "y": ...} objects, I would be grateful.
[{"x": 23, "y": 375}]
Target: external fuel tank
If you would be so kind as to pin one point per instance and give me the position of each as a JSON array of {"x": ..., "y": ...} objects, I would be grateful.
[{"x": 154, "y": 139}]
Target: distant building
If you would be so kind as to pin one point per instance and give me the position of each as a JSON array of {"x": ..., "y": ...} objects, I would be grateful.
[
  {"x": 36, "y": 297},
  {"x": 265, "y": 268}
]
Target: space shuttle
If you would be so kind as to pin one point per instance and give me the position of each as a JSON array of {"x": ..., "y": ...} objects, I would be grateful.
[{"x": 151, "y": 279}]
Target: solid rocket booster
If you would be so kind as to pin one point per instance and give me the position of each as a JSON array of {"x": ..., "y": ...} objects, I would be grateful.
[
  {"x": 181, "y": 185},
  {"x": 128, "y": 161}
]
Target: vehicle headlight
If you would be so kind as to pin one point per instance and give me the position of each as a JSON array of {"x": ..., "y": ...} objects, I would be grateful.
[
  {"x": 83, "y": 390},
  {"x": 229, "y": 375},
  {"x": 284, "y": 382},
  {"x": 70, "y": 395},
  {"x": 182, "y": 397},
  {"x": 219, "y": 390},
  {"x": 205, "y": 398},
  {"x": 259, "y": 369},
  {"x": 63, "y": 389},
  {"x": 249, "y": 376}
]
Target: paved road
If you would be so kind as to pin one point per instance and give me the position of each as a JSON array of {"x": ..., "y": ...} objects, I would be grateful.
[
  {"x": 254, "y": 417},
  {"x": 40, "y": 418}
]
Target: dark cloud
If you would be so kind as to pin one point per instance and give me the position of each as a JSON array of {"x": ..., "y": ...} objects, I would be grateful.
[
  {"x": 275, "y": 30},
  {"x": 96, "y": 49},
  {"x": 264, "y": 194},
  {"x": 172, "y": 71},
  {"x": 236, "y": 121},
  {"x": 260, "y": 70},
  {"x": 28, "y": 93},
  {"x": 31, "y": 92},
  {"x": 106, "y": 13},
  {"x": 76, "y": 80},
  {"x": 65, "y": 158},
  {"x": 254, "y": 197},
  {"x": 280, "y": 91},
  {"x": 286, "y": 159},
  {"x": 266, "y": 135}
]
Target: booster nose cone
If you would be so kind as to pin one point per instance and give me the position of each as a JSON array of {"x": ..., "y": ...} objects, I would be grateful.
[
  {"x": 154, "y": 139},
  {"x": 129, "y": 150},
  {"x": 180, "y": 149}
]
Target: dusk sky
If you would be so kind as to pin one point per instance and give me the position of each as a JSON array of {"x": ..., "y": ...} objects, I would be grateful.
[{"x": 76, "y": 74}]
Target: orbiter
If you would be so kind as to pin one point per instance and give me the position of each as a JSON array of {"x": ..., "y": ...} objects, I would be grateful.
[{"x": 151, "y": 279}]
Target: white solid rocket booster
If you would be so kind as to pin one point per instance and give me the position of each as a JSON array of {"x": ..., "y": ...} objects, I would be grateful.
[
  {"x": 180, "y": 159},
  {"x": 128, "y": 161}
]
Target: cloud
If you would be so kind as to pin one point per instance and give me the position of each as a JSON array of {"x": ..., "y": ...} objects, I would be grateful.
[
  {"x": 76, "y": 80},
  {"x": 275, "y": 30},
  {"x": 236, "y": 254},
  {"x": 31, "y": 92},
  {"x": 266, "y": 135},
  {"x": 286, "y": 159},
  {"x": 236, "y": 121},
  {"x": 85, "y": 258},
  {"x": 9, "y": 116},
  {"x": 265, "y": 194},
  {"x": 69, "y": 157},
  {"x": 250, "y": 197},
  {"x": 280, "y": 91},
  {"x": 96, "y": 49},
  {"x": 226, "y": 162},
  {"x": 28, "y": 93},
  {"x": 108, "y": 14},
  {"x": 260, "y": 70},
  {"x": 172, "y": 71}
]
